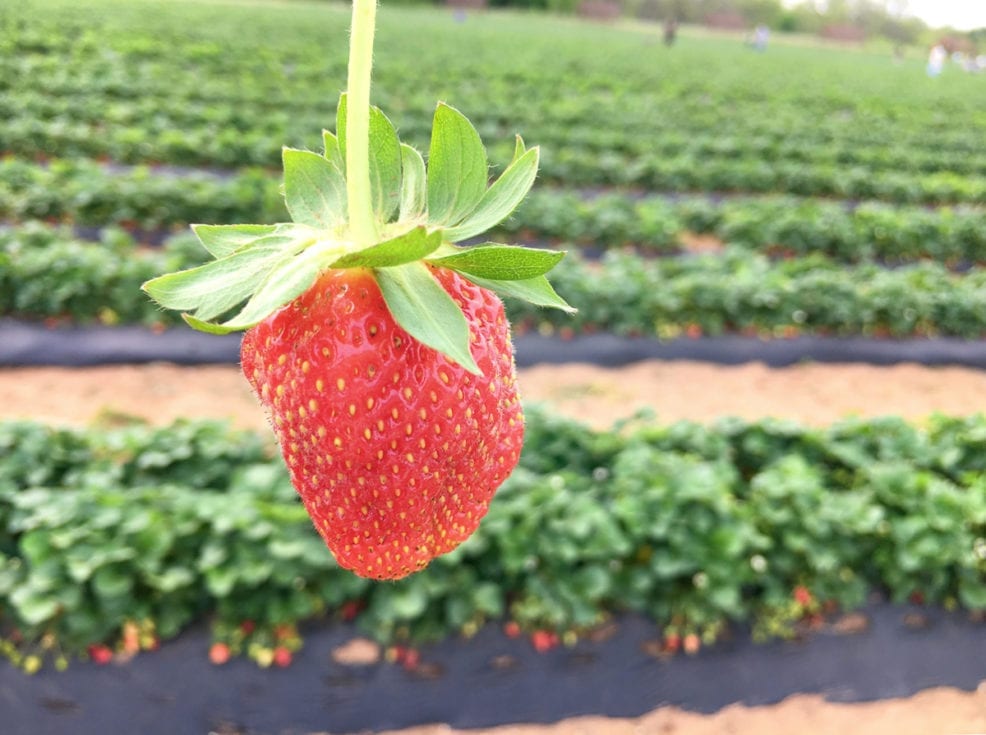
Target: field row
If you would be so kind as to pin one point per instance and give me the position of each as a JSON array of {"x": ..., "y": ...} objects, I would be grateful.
[
  {"x": 47, "y": 275},
  {"x": 142, "y": 130},
  {"x": 92, "y": 194},
  {"x": 694, "y": 527}
]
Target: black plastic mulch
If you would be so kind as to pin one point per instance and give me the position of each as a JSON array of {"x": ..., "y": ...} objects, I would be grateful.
[
  {"x": 25, "y": 344},
  {"x": 487, "y": 681}
]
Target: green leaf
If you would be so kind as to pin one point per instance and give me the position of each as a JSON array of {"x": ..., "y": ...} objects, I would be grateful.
[
  {"x": 314, "y": 189},
  {"x": 457, "y": 171},
  {"x": 519, "y": 149},
  {"x": 214, "y": 288},
  {"x": 412, "y": 245},
  {"x": 536, "y": 291},
  {"x": 501, "y": 262},
  {"x": 414, "y": 185},
  {"x": 223, "y": 240},
  {"x": 289, "y": 279},
  {"x": 385, "y": 159},
  {"x": 33, "y": 607},
  {"x": 333, "y": 152},
  {"x": 424, "y": 310},
  {"x": 385, "y": 166},
  {"x": 501, "y": 199}
]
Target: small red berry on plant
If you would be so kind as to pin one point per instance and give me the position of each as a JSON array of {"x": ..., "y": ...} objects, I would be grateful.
[
  {"x": 412, "y": 658},
  {"x": 692, "y": 643},
  {"x": 350, "y": 610},
  {"x": 672, "y": 642},
  {"x": 543, "y": 640},
  {"x": 100, "y": 654},
  {"x": 282, "y": 657},
  {"x": 219, "y": 653},
  {"x": 803, "y": 596},
  {"x": 512, "y": 629}
]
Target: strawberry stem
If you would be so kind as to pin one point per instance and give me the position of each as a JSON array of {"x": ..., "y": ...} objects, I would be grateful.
[{"x": 361, "y": 220}]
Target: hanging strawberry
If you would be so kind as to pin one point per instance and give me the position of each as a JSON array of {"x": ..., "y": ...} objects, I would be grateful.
[{"x": 378, "y": 347}]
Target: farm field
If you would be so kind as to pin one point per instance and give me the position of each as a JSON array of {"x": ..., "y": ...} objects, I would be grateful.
[{"x": 806, "y": 195}]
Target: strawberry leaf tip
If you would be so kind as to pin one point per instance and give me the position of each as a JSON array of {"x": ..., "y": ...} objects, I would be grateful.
[{"x": 420, "y": 212}]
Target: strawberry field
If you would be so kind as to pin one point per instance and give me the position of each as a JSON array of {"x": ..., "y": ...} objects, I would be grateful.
[{"x": 707, "y": 196}]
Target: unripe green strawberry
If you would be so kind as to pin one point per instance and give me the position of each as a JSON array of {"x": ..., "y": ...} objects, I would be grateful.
[{"x": 395, "y": 450}]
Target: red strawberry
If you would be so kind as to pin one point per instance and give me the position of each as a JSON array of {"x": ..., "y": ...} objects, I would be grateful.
[
  {"x": 691, "y": 643},
  {"x": 376, "y": 344},
  {"x": 411, "y": 660},
  {"x": 395, "y": 449},
  {"x": 100, "y": 654},
  {"x": 802, "y": 595},
  {"x": 543, "y": 640},
  {"x": 219, "y": 653},
  {"x": 672, "y": 642},
  {"x": 282, "y": 657}
]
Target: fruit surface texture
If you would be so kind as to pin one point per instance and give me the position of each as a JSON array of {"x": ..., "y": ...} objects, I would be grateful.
[{"x": 395, "y": 449}]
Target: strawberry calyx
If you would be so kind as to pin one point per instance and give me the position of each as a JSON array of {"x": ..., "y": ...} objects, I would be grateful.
[{"x": 419, "y": 213}]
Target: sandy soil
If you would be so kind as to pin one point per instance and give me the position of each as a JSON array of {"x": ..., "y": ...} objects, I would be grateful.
[
  {"x": 933, "y": 712},
  {"x": 814, "y": 394}
]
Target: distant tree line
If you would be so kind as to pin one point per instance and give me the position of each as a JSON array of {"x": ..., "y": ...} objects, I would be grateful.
[{"x": 867, "y": 18}]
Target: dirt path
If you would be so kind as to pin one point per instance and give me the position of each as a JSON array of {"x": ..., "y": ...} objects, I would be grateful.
[
  {"x": 933, "y": 712},
  {"x": 813, "y": 394}
]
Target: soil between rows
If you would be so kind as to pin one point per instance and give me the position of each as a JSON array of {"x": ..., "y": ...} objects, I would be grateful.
[{"x": 816, "y": 394}]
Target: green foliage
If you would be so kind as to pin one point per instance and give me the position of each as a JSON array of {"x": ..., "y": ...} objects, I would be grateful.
[
  {"x": 695, "y": 527},
  {"x": 267, "y": 268},
  {"x": 50, "y": 275}
]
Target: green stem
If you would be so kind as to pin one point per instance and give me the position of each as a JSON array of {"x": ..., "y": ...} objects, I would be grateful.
[{"x": 361, "y": 219}]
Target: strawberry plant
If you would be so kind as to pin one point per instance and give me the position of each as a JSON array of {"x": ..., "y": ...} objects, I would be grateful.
[{"x": 380, "y": 349}]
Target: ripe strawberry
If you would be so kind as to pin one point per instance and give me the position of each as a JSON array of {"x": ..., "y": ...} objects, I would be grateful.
[
  {"x": 802, "y": 595},
  {"x": 544, "y": 640},
  {"x": 691, "y": 643},
  {"x": 672, "y": 642},
  {"x": 395, "y": 449},
  {"x": 100, "y": 654},
  {"x": 219, "y": 653},
  {"x": 376, "y": 344},
  {"x": 411, "y": 659},
  {"x": 282, "y": 657}
]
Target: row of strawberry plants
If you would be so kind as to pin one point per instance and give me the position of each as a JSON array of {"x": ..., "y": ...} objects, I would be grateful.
[
  {"x": 46, "y": 274},
  {"x": 736, "y": 291},
  {"x": 210, "y": 137},
  {"x": 122, "y": 537},
  {"x": 89, "y": 193},
  {"x": 789, "y": 225}
]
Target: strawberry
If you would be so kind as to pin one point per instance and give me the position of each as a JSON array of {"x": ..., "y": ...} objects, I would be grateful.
[
  {"x": 395, "y": 449},
  {"x": 100, "y": 654},
  {"x": 219, "y": 653},
  {"x": 282, "y": 657},
  {"x": 802, "y": 595},
  {"x": 691, "y": 643},
  {"x": 378, "y": 347}
]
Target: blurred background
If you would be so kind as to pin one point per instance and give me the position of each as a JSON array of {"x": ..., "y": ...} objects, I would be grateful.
[{"x": 754, "y": 458}]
